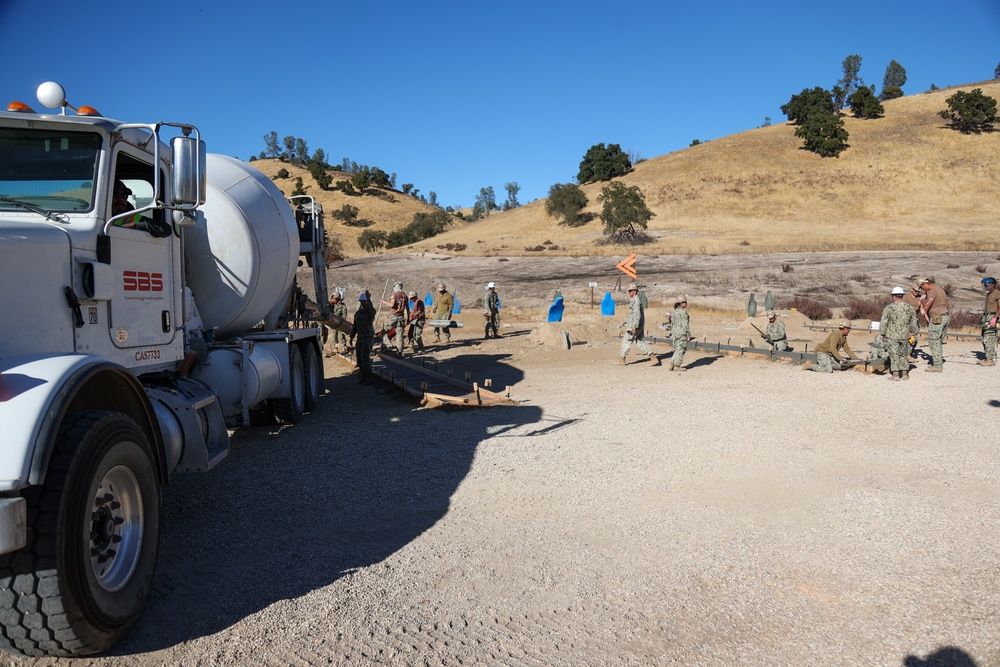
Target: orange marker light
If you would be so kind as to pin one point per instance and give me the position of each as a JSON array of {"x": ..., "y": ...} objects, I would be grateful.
[
  {"x": 19, "y": 107},
  {"x": 87, "y": 111}
]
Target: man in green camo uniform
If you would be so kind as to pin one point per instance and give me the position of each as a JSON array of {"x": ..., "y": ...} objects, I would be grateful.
[
  {"x": 680, "y": 333},
  {"x": 491, "y": 310},
  {"x": 338, "y": 309},
  {"x": 364, "y": 331},
  {"x": 934, "y": 308},
  {"x": 634, "y": 327},
  {"x": 898, "y": 323},
  {"x": 775, "y": 332},
  {"x": 989, "y": 322}
]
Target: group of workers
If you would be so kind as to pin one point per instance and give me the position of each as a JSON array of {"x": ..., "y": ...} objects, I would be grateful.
[
  {"x": 896, "y": 339},
  {"x": 406, "y": 318}
]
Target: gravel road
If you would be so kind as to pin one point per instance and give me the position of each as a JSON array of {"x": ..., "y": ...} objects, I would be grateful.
[{"x": 741, "y": 513}]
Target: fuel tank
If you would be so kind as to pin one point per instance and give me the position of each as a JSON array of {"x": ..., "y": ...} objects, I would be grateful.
[{"x": 242, "y": 255}]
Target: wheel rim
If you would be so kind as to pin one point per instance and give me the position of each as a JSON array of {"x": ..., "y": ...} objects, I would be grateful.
[{"x": 116, "y": 528}]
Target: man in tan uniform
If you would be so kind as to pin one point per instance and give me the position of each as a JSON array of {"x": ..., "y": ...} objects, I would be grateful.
[
  {"x": 935, "y": 311},
  {"x": 827, "y": 353},
  {"x": 988, "y": 322}
]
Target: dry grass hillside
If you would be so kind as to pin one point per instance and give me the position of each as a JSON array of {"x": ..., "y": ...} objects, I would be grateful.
[{"x": 906, "y": 182}]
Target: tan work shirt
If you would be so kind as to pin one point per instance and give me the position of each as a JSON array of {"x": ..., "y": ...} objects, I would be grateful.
[
  {"x": 938, "y": 301},
  {"x": 835, "y": 342}
]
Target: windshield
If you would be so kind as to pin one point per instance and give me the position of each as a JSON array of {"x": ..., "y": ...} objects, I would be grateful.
[{"x": 51, "y": 169}]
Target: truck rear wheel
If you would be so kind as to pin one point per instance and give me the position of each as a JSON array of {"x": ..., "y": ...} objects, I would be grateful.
[
  {"x": 313, "y": 363},
  {"x": 289, "y": 410},
  {"x": 93, "y": 538}
]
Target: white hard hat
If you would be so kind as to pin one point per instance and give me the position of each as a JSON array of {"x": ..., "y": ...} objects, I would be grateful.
[
  {"x": 844, "y": 324},
  {"x": 898, "y": 290},
  {"x": 490, "y": 284},
  {"x": 397, "y": 286}
]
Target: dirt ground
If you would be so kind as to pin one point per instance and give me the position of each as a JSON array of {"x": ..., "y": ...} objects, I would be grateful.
[{"x": 741, "y": 513}]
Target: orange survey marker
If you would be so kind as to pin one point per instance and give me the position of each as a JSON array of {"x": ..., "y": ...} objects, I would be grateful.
[{"x": 627, "y": 266}]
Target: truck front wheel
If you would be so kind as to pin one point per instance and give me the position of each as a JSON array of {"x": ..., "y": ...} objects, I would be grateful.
[
  {"x": 93, "y": 538},
  {"x": 289, "y": 410},
  {"x": 313, "y": 363}
]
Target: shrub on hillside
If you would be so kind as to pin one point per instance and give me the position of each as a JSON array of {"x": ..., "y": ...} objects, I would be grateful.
[
  {"x": 282, "y": 173},
  {"x": 811, "y": 308},
  {"x": 864, "y": 104},
  {"x": 373, "y": 240},
  {"x": 866, "y": 309},
  {"x": 603, "y": 163},
  {"x": 566, "y": 201},
  {"x": 970, "y": 112},
  {"x": 824, "y": 134}
]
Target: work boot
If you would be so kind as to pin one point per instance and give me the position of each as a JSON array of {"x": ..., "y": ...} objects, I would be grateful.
[
  {"x": 986, "y": 362},
  {"x": 670, "y": 366},
  {"x": 620, "y": 362},
  {"x": 893, "y": 377},
  {"x": 654, "y": 360},
  {"x": 905, "y": 375},
  {"x": 680, "y": 369},
  {"x": 808, "y": 366},
  {"x": 934, "y": 369}
]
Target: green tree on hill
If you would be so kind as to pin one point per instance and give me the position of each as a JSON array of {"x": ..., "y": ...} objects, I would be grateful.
[
  {"x": 299, "y": 188},
  {"x": 824, "y": 134},
  {"x": 486, "y": 203},
  {"x": 849, "y": 83},
  {"x": 892, "y": 82},
  {"x": 799, "y": 107},
  {"x": 970, "y": 112},
  {"x": 864, "y": 104},
  {"x": 566, "y": 202},
  {"x": 624, "y": 210},
  {"x": 271, "y": 144},
  {"x": 603, "y": 163},
  {"x": 373, "y": 240},
  {"x": 512, "y": 189}
]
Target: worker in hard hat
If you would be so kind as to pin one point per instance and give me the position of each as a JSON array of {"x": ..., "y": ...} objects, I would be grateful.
[
  {"x": 777, "y": 338},
  {"x": 828, "y": 352},
  {"x": 635, "y": 328},
  {"x": 445, "y": 304},
  {"x": 399, "y": 315},
  {"x": 898, "y": 323},
  {"x": 364, "y": 331},
  {"x": 491, "y": 310},
  {"x": 988, "y": 322},
  {"x": 680, "y": 333},
  {"x": 418, "y": 316},
  {"x": 338, "y": 309}
]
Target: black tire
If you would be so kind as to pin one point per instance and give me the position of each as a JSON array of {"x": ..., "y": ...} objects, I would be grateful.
[
  {"x": 313, "y": 363},
  {"x": 290, "y": 410},
  {"x": 93, "y": 538}
]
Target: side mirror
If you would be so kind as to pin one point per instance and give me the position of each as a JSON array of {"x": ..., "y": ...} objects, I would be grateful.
[{"x": 189, "y": 182}]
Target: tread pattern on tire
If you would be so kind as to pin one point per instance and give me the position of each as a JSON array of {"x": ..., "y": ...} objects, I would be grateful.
[{"x": 33, "y": 620}]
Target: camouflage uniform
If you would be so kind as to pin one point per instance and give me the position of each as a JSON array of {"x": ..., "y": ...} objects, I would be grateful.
[
  {"x": 491, "y": 309},
  {"x": 680, "y": 331},
  {"x": 444, "y": 306},
  {"x": 990, "y": 332},
  {"x": 398, "y": 311},
  {"x": 636, "y": 321},
  {"x": 898, "y": 323},
  {"x": 937, "y": 322},
  {"x": 417, "y": 319},
  {"x": 827, "y": 357},
  {"x": 776, "y": 336},
  {"x": 339, "y": 309}
]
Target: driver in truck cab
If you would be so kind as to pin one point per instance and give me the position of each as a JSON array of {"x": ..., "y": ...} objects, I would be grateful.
[{"x": 120, "y": 204}]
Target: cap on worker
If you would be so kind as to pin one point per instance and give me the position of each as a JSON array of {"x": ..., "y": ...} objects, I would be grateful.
[
  {"x": 120, "y": 187},
  {"x": 770, "y": 314},
  {"x": 441, "y": 287},
  {"x": 632, "y": 287},
  {"x": 844, "y": 324},
  {"x": 490, "y": 285},
  {"x": 681, "y": 298},
  {"x": 989, "y": 280},
  {"x": 897, "y": 290},
  {"x": 412, "y": 294},
  {"x": 363, "y": 297},
  {"x": 924, "y": 280}
]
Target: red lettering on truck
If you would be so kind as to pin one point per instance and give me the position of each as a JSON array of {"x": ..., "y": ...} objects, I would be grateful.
[{"x": 142, "y": 281}]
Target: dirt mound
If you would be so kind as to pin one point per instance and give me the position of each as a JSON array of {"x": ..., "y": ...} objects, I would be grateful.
[
  {"x": 589, "y": 333},
  {"x": 796, "y": 327}
]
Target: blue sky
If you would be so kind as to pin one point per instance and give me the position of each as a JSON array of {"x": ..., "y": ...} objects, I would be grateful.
[{"x": 457, "y": 96}]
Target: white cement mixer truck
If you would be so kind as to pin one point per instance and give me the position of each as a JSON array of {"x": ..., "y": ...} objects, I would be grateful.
[{"x": 149, "y": 296}]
